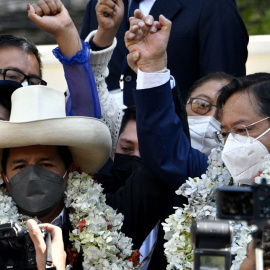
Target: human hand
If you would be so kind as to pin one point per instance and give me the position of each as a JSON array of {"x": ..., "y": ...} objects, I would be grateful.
[
  {"x": 110, "y": 14},
  {"x": 249, "y": 262},
  {"x": 51, "y": 16},
  {"x": 147, "y": 41},
  {"x": 58, "y": 253}
]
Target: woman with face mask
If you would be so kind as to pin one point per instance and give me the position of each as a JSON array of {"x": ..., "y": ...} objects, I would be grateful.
[{"x": 201, "y": 108}]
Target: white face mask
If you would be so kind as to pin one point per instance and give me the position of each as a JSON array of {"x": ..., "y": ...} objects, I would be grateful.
[
  {"x": 201, "y": 130},
  {"x": 244, "y": 158}
]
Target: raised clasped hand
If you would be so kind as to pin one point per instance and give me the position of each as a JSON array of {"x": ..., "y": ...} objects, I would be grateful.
[{"x": 147, "y": 41}]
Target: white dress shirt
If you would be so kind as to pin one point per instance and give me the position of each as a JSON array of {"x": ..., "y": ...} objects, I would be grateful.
[{"x": 145, "y": 6}]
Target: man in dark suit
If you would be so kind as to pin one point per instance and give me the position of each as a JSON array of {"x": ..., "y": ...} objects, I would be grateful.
[{"x": 206, "y": 36}]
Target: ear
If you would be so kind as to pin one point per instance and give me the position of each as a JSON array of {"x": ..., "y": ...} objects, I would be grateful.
[
  {"x": 72, "y": 167},
  {"x": 4, "y": 178}
]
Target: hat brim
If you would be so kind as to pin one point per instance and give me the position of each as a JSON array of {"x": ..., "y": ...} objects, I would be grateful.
[{"x": 88, "y": 139}]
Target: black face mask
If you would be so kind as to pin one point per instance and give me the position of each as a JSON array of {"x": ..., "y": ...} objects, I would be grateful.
[
  {"x": 36, "y": 191},
  {"x": 124, "y": 166}
]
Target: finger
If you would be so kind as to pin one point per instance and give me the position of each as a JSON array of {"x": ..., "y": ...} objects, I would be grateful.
[
  {"x": 35, "y": 14},
  {"x": 58, "y": 253},
  {"x": 135, "y": 56},
  {"x": 165, "y": 22},
  {"x": 39, "y": 244},
  {"x": 109, "y": 3},
  {"x": 132, "y": 59},
  {"x": 59, "y": 5},
  {"x": 134, "y": 33},
  {"x": 55, "y": 231},
  {"x": 44, "y": 7},
  {"x": 35, "y": 9},
  {"x": 135, "y": 21},
  {"x": 119, "y": 3},
  {"x": 134, "y": 29},
  {"x": 149, "y": 19},
  {"x": 52, "y": 6},
  {"x": 105, "y": 9},
  {"x": 129, "y": 35},
  {"x": 155, "y": 26},
  {"x": 138, "y": 14}
]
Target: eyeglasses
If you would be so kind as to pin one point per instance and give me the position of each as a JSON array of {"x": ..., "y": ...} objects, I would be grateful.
[
  {"x": 200, "y": 106},
  {"x": 221, "y": 136},
  {"x": 18, "y": 76}
]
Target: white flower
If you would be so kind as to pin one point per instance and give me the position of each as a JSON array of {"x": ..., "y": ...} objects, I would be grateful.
[
  {"x": 201, "y": 194},
  {"x": 96, "y": 226}
]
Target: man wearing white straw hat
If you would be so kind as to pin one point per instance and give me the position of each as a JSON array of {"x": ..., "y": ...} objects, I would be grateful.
[
  {"x": 38, "y": 147},
  {"x": 38, "y": 127}
]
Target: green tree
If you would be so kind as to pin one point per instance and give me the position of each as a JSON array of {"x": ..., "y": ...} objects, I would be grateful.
[{"x": 256, "y": 15}]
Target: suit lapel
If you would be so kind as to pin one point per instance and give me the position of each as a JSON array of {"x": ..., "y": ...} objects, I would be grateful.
[{"x": 168, "y": 8}]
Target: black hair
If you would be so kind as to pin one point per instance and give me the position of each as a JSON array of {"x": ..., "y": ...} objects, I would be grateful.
[
  {"x": 257, "y": 84},
  {"x": 62, "y": 150},
  {"x": 65, "y": 155},
  {"x": 129, "y": 114},
  {"x": 210, "y": 77},
  {"x": 23, "y": 44}
]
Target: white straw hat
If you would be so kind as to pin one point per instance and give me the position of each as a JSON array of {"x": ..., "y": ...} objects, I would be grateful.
[{"x": 38, "y": 118}]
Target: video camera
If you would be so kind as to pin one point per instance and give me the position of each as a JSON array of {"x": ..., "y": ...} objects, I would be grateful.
[
  {"x": 251, "y": 204},
  {"x": 17, "y": 250},
  {"x": 211, "y": 241}
]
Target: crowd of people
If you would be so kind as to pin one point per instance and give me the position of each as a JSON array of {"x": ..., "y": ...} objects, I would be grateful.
[{"x": 185, "y": 90}]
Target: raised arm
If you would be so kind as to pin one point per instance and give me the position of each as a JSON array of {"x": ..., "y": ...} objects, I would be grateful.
[
  {"x": 52, "y": 17},
  {"x": 102, "y": 44},
  {"x": 164, "y": 147}
]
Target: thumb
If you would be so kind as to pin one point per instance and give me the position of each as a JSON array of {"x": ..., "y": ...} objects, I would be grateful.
[
  {"x": 40, "y": 246},
  {"x": 165, "y": 23},
  {"x": 132, "y": 59},
  {"x": 32, "y": 14}
]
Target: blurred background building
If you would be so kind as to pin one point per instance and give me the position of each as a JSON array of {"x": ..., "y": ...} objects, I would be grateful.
[{"x": 14, "y": 20}]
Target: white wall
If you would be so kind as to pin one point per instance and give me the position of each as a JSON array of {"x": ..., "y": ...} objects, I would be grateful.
[
  {"x": 259, "y": 54},
  {"x": 53, "y": 72},
  {"x": 258, "y": 61}
]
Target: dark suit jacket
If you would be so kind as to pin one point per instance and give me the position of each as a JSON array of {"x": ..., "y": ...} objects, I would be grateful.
[
  {"x": 206, "y": 36},
  {"x": 148, "y": 195},
  {"x": 165, "y": 151}
]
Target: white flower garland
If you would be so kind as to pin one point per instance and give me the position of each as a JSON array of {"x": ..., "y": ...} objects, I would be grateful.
[
  {"x": 96, "y": 225},
  {"x": 201, "y": 194}
]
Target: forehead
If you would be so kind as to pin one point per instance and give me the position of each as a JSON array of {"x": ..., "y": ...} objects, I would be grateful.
[
  {"x": 130, "y": 131},
  {"x": 209, "y": 89},
  {"x": 12, "y": 57},
  {"x": 240, "y": 108},
  {"x": 34, "y": 152}
]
